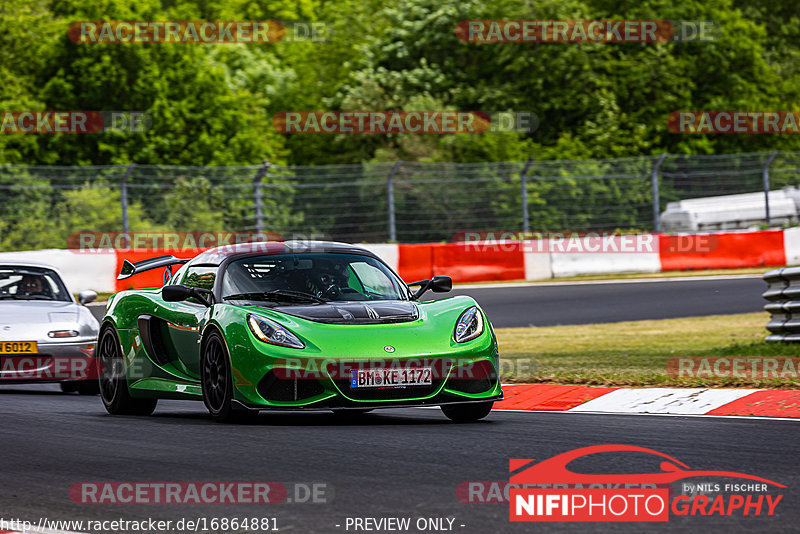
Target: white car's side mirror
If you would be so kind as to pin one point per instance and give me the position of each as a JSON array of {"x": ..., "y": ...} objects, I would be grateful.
[{"x": 87, "y": 296}]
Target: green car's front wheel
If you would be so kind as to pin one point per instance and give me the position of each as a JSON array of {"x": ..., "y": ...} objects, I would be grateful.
[
  {"x": 467, "y": 413},
  {"x": 217, "y": 382},
  {"x": 113, "y": 385}
]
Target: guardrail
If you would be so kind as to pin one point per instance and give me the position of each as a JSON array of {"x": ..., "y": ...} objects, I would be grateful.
[{"x": 783, "y": 296}]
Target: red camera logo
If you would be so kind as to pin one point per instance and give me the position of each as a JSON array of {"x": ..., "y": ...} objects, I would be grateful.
[{"x": 575, "y": 496}]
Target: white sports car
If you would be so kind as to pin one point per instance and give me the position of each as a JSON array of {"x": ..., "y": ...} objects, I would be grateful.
[{"x": 45, "y": 334}]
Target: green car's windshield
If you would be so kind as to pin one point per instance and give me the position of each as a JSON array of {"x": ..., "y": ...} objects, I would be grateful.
[{"x": 311, "y": 278}]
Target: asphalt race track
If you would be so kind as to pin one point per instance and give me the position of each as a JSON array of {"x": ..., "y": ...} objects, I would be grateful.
[
  {"x": 399, "y": 462},
  {"x": 404, "y": 462},
  {"x": 549, "y": 304},
  {"x": 546, "y": 304}
]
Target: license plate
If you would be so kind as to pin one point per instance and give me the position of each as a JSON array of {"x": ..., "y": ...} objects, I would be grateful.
[
  {"x": 18, "y": 347},
  {"x": 382, "y": 378}
]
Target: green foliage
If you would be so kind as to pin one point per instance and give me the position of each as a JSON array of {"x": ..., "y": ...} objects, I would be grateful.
[
  {"x": 46, "y": 220},
  {"x": 213, "y": 104},
  {"x": 195, "y": 200}
]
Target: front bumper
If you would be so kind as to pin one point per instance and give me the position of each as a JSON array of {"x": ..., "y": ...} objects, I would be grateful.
[
  {"x": 333, "y": 404},
  {"x": 56, "y": 361},
  {"x": 336, "y": 404},
  {"x": 329, "y": 388}
]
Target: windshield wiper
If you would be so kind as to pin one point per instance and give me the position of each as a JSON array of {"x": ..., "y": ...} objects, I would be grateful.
[{"x": 277, "y": 295}]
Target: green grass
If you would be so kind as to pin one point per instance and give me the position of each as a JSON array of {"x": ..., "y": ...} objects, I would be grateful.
[{"x": 636, "y": 353}]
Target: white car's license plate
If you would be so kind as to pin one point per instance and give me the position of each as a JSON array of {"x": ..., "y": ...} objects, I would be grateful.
[
  {"x": 381, "y": 378},
  {"x": 19, "y": 347}
]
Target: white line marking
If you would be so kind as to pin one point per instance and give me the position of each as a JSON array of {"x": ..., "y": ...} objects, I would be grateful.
[{"x": 688, "y": 401}]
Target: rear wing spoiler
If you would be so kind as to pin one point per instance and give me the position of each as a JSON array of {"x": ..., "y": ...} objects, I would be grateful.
[{"x": 129, "y": 269}]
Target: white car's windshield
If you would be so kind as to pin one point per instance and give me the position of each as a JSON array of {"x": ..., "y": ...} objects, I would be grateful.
[
  {"x": 311, "y": 277},
  {"x": 31, "y": 283}
]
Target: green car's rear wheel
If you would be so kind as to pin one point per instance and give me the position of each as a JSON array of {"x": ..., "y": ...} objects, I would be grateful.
[
  {"x": 467, "y": 413},
  {"x": 217, "y": 382},
  {"x": 113, "y": 384}
]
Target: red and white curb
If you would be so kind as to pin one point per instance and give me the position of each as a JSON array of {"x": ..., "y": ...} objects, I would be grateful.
[{"x": 655, "y": 401}]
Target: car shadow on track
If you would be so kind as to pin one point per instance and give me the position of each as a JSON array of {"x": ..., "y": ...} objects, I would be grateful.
[
  {"x": 169, "y": 415},
  {"x": 11, "y": 390}
]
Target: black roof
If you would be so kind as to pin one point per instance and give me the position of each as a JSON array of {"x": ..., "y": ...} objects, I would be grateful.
[{"x": 215, "y": 256}]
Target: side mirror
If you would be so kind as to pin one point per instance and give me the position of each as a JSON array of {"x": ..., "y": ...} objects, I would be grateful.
[
  {"x": 179, "y": 293},
  {"x": 176, "y": 293},
  {"x": 441, "y": 284},
  {"x": 87, "y": 296},
  {"x": 438, "y": 284}
]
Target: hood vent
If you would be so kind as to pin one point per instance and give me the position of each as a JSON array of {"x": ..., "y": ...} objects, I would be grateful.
[{"x": 376, "y": 312}]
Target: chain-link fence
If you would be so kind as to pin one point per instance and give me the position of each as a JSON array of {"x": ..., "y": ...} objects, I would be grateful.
[{"x": 375, "y": 202}]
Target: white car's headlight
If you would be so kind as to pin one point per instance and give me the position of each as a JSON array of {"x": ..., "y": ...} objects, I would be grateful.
[
  {"x": 62, "y": 333},
  {"x": 469, "y": 325},
  {"x": 271, "y": 332}
]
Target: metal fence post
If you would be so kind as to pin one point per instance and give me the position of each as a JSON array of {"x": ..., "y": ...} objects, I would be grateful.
[
  {"x": 523, "y": 178},
  {"x": 123, "y": 200},
  {"x": 258, "y": 195},
  {"x": 656, "y": 199},
  {"x": 390, "y": 201},
  {"x": 765, "y": 179}
]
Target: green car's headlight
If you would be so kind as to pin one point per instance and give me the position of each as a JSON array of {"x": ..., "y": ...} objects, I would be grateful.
[
  {"x": 271, "y": 332},
  {"x": 469, "y": 325}
]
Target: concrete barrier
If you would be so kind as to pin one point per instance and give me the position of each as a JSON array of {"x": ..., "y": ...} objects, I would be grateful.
[
  {"x": 722, "y": 250},
  {"x": 80, "y": 271},
  {"x": 607, "y": 255},
  {"x": 791, "y": 245},
  {"x": 490, "y": 261}
]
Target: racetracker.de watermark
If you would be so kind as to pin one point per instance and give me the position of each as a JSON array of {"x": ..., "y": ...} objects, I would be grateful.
[
  {"x": 46, "y": 368},
  {"x": 585, "y": 242},
  {"x": 112, "y": 242},
  {"x": 200, "y": 492},
  {"x": 386, "y": 371},
  {"x": 734, "y": 367},
  {"x": 72, "y": 122},
  {"x": 196, "y": 31},
  {"x": 404, "y": 122},
  {"x": 584, "y": 31},
  {"x": 556, "y": 242},
  {"x": 734, "y": 122}
]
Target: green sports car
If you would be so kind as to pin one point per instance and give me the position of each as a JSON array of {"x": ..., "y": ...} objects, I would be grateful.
[{"x": 294, "y": 326}]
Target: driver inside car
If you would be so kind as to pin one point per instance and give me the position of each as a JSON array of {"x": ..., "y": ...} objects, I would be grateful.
[{"x": 31, "y": 285}]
